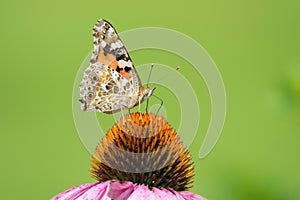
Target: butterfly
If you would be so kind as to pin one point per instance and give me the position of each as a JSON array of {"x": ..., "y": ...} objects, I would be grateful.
[{"x": 110, "y": 83}]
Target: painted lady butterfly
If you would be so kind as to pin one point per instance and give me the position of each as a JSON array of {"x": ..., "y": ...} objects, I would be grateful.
[{"x": 110, "y": 83}]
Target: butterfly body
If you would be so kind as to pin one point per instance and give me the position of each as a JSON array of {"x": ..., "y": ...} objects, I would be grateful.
[{"x": 110, "y": 83}]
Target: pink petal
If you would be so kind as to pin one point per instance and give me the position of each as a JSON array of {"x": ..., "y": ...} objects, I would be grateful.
[
  {"x": 120, "y": 191},
  {"x": 178, "y": 196},
  {"x": 96, "y": 192},
  {"x": 191, "y": 196},
  {"x": 163, "y": 194},
  {"x": 141, "y": 192},
  {"x": 95, "y": 189},
  {"x": 182, "y": 195}
]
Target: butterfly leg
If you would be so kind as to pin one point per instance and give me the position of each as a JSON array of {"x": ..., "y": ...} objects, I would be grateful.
[
  {"x": 139, "y": 104},
  {"x": 147, "y": 104},
  {"x": 122, "y": 112},
  {"x": 140, "y": 99},
  {"x": 125, "y": 107}
]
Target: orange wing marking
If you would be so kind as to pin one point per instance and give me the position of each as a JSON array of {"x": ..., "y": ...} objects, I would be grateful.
[{"x": 111, "y": 61}]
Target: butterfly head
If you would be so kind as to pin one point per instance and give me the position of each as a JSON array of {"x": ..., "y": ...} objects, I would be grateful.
[{"x": 146, "y": 92}]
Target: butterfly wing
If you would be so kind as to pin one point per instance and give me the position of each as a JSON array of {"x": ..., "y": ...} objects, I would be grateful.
[
  {"x": 111, "y": 82},
  {"x": 109, "y": 50},
  {"x": 106, "y": 90}
]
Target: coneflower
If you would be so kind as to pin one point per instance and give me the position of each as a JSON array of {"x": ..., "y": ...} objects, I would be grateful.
[{"x": 140, "y": 157}]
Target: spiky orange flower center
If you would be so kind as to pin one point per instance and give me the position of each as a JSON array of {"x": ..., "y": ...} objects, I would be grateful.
[{"x": 144, "y": 149}]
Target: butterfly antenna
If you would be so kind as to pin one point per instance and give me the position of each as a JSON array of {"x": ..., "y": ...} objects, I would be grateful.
[
  {"x": 150, "y": 74},
  {"x": 161, "y": 103}
]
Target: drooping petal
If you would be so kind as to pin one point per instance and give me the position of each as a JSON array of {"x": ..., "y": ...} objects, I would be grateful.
[
  {"x": 191, "y": 196},
  {"x": 120, "y": 191},
  {"x": 183, "y": 195},
  {"x": 97, "y": 192},
  {"x": 141, "y": 192},
  {"x": 86, "y": 190},
  {"x": 163, "y": 194}
]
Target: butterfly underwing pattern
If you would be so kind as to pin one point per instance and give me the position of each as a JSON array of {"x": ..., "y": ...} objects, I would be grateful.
[{"x": 110, "y": 83}]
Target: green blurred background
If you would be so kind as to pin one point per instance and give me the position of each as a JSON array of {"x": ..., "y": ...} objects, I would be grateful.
[{"x": 255, "y": 45}]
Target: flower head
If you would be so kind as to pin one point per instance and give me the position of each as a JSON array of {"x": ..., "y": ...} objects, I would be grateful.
[
  {"x": 144, "y": 149},
  {"x": 140, "y": 157}
]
